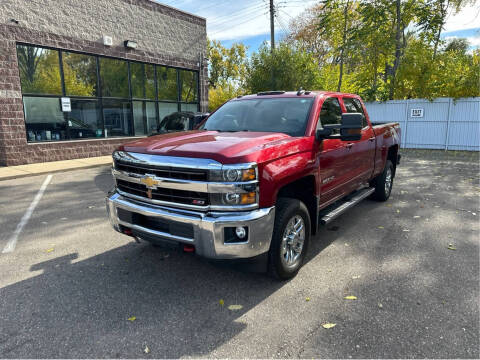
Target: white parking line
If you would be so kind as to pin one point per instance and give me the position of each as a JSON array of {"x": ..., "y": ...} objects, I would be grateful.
[{"x": 12, "y": 242}]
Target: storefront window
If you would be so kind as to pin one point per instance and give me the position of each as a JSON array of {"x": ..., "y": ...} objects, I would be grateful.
[
  {"x": 165, "y": 109},
  {"x": 114, "y": 78},
  {"x": 80, "y": 74},
  {"x": 108, "y": 97},
  {"x": 142, "y": 80},
  {"x": 189, "y": 107},
  {"x": 85, "y": 119},
  {"x": 43, "y": 118},
  {"x": 118, "y": 117},
  {"x": 39, "y": 70},
  {"x": 167, "y": 83},
  {"x": 188, "y": 84},
  {"x": 144, "y": 117}
]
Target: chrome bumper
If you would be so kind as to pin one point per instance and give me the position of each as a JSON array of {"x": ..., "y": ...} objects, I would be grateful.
[{"x": 208, "y": 228}]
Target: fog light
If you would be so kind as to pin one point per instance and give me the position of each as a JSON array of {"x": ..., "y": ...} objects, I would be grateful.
[{"x": 240, "y": 232}]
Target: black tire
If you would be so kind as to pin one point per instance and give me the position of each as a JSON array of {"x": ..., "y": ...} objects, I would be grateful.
[
  {"x": 288, "y": 214},
  {"x": 382, "y": 184}
]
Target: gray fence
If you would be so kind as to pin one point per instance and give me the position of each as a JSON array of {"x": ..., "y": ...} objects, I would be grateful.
[{"x": 444, "y": 123}]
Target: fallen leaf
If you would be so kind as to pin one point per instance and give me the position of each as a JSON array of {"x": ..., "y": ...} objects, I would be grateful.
[
  {"x": 405, "y": 230},
  {"x": 398, "y": 211},
  {"x": 235, "y": 307},
  {"x": 221, "y": 302},
  {"x": 380, "y": 305},
  {"x": 307, "y": 299},
  {"x": 355, "y": 277},
  {"x": 347, "y": 245},
  {"x": 132, "y": 318},
  {"x": 389, "y": 205},
  {"x": 381, "y": 227},
  {"x": 451, "y": 247},
  {"x": 350, "y": 297},
  {"x": 146, "y": 350},
  {"x": 91, "y": 207},
  {"x": 416, "y": 217},
  {"x": 328, "y": 325},
  {"x": 49, "y": 250}
]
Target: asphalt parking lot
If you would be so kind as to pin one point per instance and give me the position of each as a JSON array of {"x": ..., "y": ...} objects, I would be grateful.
[{"x": 70, "y": 285}]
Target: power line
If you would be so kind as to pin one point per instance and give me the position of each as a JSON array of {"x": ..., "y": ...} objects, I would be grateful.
[{"x": 237, "y": 24}]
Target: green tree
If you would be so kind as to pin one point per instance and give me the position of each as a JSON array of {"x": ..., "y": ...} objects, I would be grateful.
[
  {"x": 292, "y": 68},
  {"x": 227, "y": 72}
]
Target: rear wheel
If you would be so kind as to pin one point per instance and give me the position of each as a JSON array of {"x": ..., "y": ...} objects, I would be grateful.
[
  {"x": 291, "y": 235},
  {"x": 383, "y": 183}
]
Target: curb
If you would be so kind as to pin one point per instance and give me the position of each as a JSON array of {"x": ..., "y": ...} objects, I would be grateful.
[{"x": 51, "y": 171}]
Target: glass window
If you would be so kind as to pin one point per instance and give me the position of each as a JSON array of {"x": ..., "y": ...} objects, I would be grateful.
[
  {"x": 330, "y": 113},
  {"x": 43, "y": 118},
  {"x": 80, "y": 74},
  {"x": 151, "y": 113},
  {"x": 179, "y": 121},
  {"x": 118, "y": 117},
  {"x": 189, "y": 85},
  {"x": 85, "y": 120},
  {"x": 285, "y": 115},
  {"x": 189, "y": 107},
  {"x": 39, "y": 70},
  {"x": 354, "y": 106},
  {"x": 139, "y": 117},
  {"x": 114, "y": 77},
  {"x": 165, "y": 109},
  {"x": 167, "y": 83},
  {"x": 143, "y": 80}
]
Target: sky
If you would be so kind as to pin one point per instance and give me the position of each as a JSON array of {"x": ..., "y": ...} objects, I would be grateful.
[{"x": 248, "y": 21}]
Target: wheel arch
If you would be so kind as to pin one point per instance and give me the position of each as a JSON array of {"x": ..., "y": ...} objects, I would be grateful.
[{"x": 303, "y": 189}]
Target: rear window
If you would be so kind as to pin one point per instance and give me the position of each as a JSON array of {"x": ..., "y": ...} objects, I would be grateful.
[{"x": 285, "y": 115}]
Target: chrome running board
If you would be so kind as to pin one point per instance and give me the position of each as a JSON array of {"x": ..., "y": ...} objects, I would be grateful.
[{"x": 343, "y": 206}]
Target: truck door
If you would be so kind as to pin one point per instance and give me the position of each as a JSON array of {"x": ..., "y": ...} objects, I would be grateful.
[
  {"x": 332, "y": 153},
  {"x": 361, "y": 153}
]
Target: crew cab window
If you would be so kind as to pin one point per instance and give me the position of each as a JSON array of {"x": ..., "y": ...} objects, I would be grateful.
[
  {"x": 287, "y": 115},
  {"x": 331, "y": 113},
  {"x": 354, "y": 106}
]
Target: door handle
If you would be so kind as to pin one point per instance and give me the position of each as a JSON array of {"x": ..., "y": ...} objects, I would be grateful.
[
  {"x": 372, "y": 138},
  {"x": 349, "y": 146}
]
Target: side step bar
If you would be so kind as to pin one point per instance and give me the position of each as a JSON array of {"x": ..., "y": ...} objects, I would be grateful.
[{"x": 344, "y": 206}]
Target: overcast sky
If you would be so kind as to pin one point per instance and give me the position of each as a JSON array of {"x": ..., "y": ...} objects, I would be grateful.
[{"x": 248, "y": 20}]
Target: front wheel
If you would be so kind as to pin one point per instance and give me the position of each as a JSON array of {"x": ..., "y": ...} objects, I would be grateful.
[
  {"x": 291, "y": 235},
  {"x": 383, "y": 183}
]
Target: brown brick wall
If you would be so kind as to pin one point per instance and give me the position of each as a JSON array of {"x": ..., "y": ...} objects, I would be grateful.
[{"x": 14, "y": 149}]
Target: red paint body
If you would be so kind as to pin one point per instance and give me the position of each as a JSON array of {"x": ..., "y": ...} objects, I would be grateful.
[{"x": 338, "y": 167}]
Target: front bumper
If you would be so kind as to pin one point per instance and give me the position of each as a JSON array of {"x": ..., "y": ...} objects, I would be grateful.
[{"x": 208, "y": 228}]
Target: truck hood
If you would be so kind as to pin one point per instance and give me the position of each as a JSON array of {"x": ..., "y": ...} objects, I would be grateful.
[{"x": 224, "y": 147}]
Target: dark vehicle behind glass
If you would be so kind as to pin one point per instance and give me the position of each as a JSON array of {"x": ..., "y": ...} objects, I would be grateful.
[{"x": 181, "y": 121}]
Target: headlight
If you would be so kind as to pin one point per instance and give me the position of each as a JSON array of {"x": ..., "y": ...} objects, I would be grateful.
[
  {"x": 234, "y": 198},
  {"x": 235, "y": 173}
]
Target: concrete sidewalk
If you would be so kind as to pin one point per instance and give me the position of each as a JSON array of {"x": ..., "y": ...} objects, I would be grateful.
[{"x": 12, "y": 172}]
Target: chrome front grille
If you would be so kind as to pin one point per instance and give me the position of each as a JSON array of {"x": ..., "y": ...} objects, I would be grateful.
[
  {"x": 162, "y": 171},
  {"x": 178, "y": 182},
  {"x": 164, "y": 194}
]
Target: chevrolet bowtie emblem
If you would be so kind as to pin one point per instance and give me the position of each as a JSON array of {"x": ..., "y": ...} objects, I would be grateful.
[{"x": 149, "y": 182}]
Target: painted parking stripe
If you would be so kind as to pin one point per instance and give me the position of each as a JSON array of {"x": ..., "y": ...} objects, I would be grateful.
[{"x": 12, "y": 242}]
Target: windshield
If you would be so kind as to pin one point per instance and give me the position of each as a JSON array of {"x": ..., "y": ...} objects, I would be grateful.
[{"x": 285, "y": 115}]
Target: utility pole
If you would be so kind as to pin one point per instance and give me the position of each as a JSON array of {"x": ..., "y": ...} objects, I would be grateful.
[
  {"x": 272, "y": 25},
  {"x": 272, "y": 43}
]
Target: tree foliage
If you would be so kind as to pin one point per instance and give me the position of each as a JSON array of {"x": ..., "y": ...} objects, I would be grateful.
[
  {"x": 387, "y": 49},
  {"x": 287, "y": 68}
]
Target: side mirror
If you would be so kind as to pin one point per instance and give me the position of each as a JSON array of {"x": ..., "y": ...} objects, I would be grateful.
[{"x": 351, "y": 127}]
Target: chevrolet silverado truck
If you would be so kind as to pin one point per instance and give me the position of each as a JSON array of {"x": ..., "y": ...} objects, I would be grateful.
[{"x": 257, "y": 178}]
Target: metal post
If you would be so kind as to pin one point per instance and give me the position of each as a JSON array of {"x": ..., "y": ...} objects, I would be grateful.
[
  {"x": 404, "y": 134},
  {"x": 448, "y": 123}
]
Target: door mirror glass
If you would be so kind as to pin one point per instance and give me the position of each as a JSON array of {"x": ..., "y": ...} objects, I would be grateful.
[{"x": 351, "y": 127}]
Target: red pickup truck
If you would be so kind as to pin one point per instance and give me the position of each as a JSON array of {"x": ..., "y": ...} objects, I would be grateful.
[{"x": 257, "y": 178}]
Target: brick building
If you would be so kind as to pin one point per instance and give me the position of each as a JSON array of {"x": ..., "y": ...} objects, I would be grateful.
[{"x": 79, "y": 77}]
